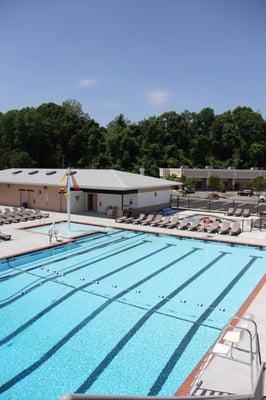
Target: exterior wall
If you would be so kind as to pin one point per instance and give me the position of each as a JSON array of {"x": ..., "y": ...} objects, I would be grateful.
[
  {"x": 80, "y": 204},
  {"x": 233, "y": 178},
  {"x": 147, "y": 199},
  {"x": 131, "y": 200},
  {"x": 43, "y": 198},
  {"x": 106, "y": 199}
]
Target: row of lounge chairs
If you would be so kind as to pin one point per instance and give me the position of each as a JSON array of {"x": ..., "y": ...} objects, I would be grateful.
[
  {"x": 238, "y": 212},
  {"x": 196, "y": 224},
  {"x": 20, "y": 215}
]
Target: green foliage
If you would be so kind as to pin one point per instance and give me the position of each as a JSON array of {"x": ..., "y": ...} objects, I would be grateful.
[
  {"x": 258, "y": 183},
  {"x": 53, "y": 135},
  {"x": 189, "y": 182},
  {"x": 215, "y": 183}
]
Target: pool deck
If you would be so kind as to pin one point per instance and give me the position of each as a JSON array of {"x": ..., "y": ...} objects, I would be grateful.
[{"x": 221, "y": 373}]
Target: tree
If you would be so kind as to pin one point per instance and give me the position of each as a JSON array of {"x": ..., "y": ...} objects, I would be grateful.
[
  {"x": 258, "y": 183},
  {"x": 215, "y": 183}
]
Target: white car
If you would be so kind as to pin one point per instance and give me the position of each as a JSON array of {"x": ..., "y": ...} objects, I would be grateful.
[{"x": 262, "y": 198}]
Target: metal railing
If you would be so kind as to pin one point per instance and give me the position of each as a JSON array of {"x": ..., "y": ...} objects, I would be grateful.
[
  {"x": 253, "y": 351},
  {"x": 207, "y": 204},
  {"x": 258, "y": 393}
]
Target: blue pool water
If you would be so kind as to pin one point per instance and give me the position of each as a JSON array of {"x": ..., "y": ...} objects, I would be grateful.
[
  {"x": 122, "y": 312},
  {"x": 62, "y": 228}
]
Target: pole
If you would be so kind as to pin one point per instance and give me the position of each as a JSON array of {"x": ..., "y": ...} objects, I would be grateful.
[{"x": 68, "y": 198}]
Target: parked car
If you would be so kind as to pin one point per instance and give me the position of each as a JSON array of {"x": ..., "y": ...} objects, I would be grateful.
[
  {"x": 213, "y": 196},
  {"x": 262, "y": 198},
  {"x": 245, "y": 192}
]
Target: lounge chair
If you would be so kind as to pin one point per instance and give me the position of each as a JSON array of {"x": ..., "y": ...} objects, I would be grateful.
[
  {"x": 38, "y": 214},
  {"x": 246, "y": 213},
  {"x": 238, "y": 212},
  {"x": 184, "y": 223},
  {"x": 139, "y": 219},
  {"x": 165, "y": 222},
  {"x": 148, "y": 220},
  {"x": 235, "y": 229},
  {"x": 225, "y": 227},
  {"x": 213, "y": 228},
  {"x": 230, "y": 211},
  {"x": 194, "y": 224},
  {"x": 126, "y": 215},
  {"x": 157, "y": 220},
  {"x": 173, "y": 224},
  {"x": 5, "y": 236}
]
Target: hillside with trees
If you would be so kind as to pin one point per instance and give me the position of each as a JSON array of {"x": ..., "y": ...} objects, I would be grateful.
[{"x": 55, "y": 136}]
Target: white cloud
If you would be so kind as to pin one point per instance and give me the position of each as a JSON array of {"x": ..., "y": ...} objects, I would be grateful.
[
  {"x": 158, "y": 97},
  {"x": 87, "y": 82}
]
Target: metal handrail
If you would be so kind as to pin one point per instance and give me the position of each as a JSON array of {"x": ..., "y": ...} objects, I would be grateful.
[
  {"x": 195, "y": 384},
  {"x": 258, "y": 394}
]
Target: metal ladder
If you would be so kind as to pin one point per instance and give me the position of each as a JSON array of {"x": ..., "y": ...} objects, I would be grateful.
[{"x": 227, "y": 340}]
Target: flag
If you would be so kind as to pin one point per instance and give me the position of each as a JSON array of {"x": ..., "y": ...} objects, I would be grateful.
[
  {"x": 75, "y": 184},
  {"x": 63, "y": 180}
]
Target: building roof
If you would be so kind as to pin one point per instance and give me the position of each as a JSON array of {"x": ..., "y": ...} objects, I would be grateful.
[{"x": 97, "y": 179}]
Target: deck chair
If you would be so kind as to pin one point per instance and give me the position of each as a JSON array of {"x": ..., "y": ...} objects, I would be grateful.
[
  {"x": 194, "y": 224},
  {"x": 38, "y": 214},
  {"x": 126, "y": 215},
  {"x": 225, "y": 227},
  {"x": 213, "y": 228},
  {"x": 230, "y": 211},
  {"x": 148, "y": 220},
  {"x": 139, "y": 219},
  {"x": 184, "y": 223},
  {"x": 165, "y": 222},
  {"x": 238, "y": 212},
  {"x": 235, "y": 229},
  {"x": 157, "y": 220},
  {"x": 173, "y": 223},
  {"x": 5, "y": 236},
  {"x": 246, "y": 213}
]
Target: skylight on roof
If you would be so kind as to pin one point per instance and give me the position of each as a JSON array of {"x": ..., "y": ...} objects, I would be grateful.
[
  {"x": 17, "y": 172},
  {"x": 50, "y": 172},
  {"x": 33, "y": 172}
]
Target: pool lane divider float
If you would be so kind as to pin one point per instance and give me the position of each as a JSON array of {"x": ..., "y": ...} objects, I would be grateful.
[
  {"x": 169, "y": 366},
  {"x": 74, "y": 291},
  {"x": 27, "y": 371},
  {"x": 65, "y": 257},
  {"x": 12, "y": 300},
  {"x": 8, "y": 259},
  {"x": 184, "y": 388}
]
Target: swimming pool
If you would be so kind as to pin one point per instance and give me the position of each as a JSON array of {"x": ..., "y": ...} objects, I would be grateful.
[
  {"x": 62, "y": 228},
  {"x": 121, "y": 313}
]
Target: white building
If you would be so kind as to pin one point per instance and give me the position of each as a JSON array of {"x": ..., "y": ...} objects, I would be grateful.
[{"x": 98, "y": 189}]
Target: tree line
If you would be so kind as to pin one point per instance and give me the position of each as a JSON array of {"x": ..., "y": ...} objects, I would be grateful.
[{"x": 57, "y": 136}]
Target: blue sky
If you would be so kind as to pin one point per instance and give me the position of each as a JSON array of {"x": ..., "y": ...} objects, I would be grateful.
[{"x": 138, "y": 57}]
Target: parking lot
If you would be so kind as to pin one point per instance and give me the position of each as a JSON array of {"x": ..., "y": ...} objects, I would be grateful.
[{"x": 201, "y": 202}]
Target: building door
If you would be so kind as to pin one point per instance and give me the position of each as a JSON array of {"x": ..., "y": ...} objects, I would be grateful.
[
  {"x": 31, "y": 200},
  {"x": 89, "y": 201}
]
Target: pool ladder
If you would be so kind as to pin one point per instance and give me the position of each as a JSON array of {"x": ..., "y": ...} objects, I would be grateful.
[{"x": 228, "y": 343}]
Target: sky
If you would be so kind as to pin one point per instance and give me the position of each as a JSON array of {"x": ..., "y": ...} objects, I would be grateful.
[{"x": 136, "y": 57}]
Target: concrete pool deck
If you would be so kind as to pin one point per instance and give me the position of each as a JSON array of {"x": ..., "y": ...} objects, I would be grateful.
[
  {"x": 25, "y": 241},
  {"x": 220, "y": 374}
]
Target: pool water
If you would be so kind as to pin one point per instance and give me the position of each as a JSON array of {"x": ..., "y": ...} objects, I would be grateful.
[
  {"x": 117, "y": 313},
  {"x": 75, "y": 229}
]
